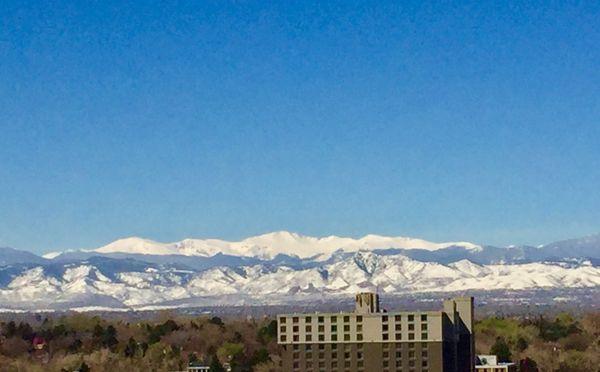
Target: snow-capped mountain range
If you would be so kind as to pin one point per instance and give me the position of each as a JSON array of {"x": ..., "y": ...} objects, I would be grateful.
[
  {"x": 268, "y": 246},
  {"x": 283, "y": 267}
]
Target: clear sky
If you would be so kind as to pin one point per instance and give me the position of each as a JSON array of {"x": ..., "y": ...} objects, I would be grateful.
[{"x": 475, "y": 121}]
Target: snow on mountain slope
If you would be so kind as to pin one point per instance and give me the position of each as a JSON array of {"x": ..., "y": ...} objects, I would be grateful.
[
  {"x": 270, "y": 245},
  {"x": 85, "y": 285}
]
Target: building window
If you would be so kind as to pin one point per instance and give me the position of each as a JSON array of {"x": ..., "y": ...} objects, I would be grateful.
[
  {"x": 359, "y": 346},
  {"x": 334, "y": 347},
  {"x": 308, "y": 347},
  {"x": 398, "y": 354},
  {"x": 321, "y": 319},
  {"x": 333, "y": 328},
  {"x": 359, "y": 337},
  {"x": 411, "y": 345},
  {"x": 424, "y": 327},
  {"x": 398, "y": 327},
  {"x": 384, "y": 318},
  {"x": 321, "y": 337},
  {"x": 296, "y": 347},
  {"x": 423, "y": 317},
  {"x": 308, "y": 337},
  {"x": 321, "y": 328},
  {"x": 346, "y": 319},
  {"x": 386, "y": 363},
  {"x": 282, "y": 329},
  {"x": 346, "y": 337},
  {"x": 359, "y": 355},
  {"x": 295, "y": 329},
  {"x": 398, "y": 336},
  {"x": 424, "y": 354},
  {"x": 334, "y": 319},
  {"x": 282, "y": 320},
  {"x": 411, "y": 318},
  {"x": 386, "y": 346},
  {"x": 347, "y": 355},
  {"x": 333, "y": 355},
  {"x": 295, "y": 319},
  {"x": 411, "y": 327},
  {"x": 386, "y": 354},
  {"x": 308, "y": 319},
  {"x": 347, "y": 328},
  {"x": 359, "y": 328},
  {"x": 321, "y": 355},
  {"x": 397, "y": 318},
  {"x": 411, "y": 354},
  {"x": 385, "y": 336},
  {"x": 296, "y": 338},
  {"x": 308, "y": 328},
  {"x": 333, "y": 337},
  {"x": 411, "y": 336},
  {"x": 296, "y": 355},
  {"x": 359, "y": 318},
  {"x": 424, "y": 336},
  {"x": 384, "y": 327},
  {"x": 283, "y": 338}
]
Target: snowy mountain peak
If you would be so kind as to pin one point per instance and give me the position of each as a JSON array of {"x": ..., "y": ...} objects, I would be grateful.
[
  {"x": 135, "y": 245},
  {"x": 269, "y": 245}
]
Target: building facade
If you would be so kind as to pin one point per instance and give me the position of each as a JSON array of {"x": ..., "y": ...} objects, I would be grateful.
[{"x": 370, "y": 340}]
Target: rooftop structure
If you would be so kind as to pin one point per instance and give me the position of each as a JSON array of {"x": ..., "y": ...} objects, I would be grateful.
[{"x": 489, "y": 363}]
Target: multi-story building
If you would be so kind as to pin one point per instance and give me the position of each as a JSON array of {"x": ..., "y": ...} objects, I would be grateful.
[{"x": 371, "y": 340}]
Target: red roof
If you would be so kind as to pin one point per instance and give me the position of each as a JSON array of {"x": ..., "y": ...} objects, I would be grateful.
[{"x": 38, "y": 340}]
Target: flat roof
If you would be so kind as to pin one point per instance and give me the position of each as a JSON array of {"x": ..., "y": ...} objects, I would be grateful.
[{"x": 428, "y": 312}]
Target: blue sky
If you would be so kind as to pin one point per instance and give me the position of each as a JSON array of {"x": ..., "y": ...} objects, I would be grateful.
[{"x": 473, "y": 121}]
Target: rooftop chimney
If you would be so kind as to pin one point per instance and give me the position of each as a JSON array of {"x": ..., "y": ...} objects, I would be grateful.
[{"x": 367, "y": 303}]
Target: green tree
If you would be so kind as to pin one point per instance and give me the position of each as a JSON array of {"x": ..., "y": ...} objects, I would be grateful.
[
  {"x": 216, "y": 320},
  {"x": 501, "y": 350},
  {"x": 215, "y": 365},
  {"x": 268, "y": 332},
  {"x": 528, "y": 365},
  {"x": 192, "y": 358},
  {"x": 109, "y": 337},
  {"x": 9, "y": 329},
  {"x": 75, "y": 346},
  {"x": 131, "y": 348},
  {"x": 260, "y": 356},
  {"x": 25, "y": 331},
  {"x": 521, "y": 344}
]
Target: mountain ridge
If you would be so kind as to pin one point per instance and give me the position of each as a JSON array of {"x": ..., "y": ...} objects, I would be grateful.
[
  {"x": 100, "y": 284},
  {"x": 270, "y": 245}
]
